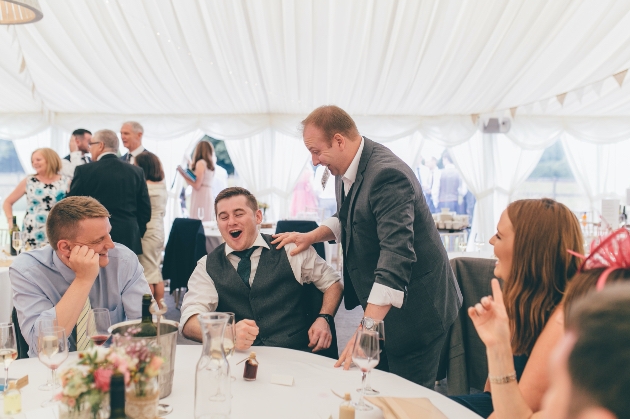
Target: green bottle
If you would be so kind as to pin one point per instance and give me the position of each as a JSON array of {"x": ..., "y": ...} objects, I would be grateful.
[
  {"x": 117, "y": 397},
  {"x": 13, "y": 229},
  {"x": 147, "y": 327}
]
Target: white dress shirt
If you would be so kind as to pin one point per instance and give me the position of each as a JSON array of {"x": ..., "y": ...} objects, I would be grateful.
[
  {"x": 202, "y": 296},
  {"x": 77, "y": 158},
  {"x": 135, "y": 152},
  {"x": 380, "y": 295}
]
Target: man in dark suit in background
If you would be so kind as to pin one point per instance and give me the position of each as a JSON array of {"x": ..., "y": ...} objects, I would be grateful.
[
  {"x": 79, "y": 152},
  {"x": 119, "y": 186},
  {"x": 131, "y": 134},
  {"x": 395, "y": 265}
]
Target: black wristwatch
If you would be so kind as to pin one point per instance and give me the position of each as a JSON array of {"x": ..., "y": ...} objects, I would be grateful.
[{"x": 329, "y": 319}]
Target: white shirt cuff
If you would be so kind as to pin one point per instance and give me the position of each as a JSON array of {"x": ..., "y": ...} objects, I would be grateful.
[
  {"x": 333, "y": 224},
  {"x": 382, "y": 295}
]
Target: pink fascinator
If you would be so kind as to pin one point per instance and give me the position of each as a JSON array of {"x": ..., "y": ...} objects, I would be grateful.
[{"x": 611, "y": 252}]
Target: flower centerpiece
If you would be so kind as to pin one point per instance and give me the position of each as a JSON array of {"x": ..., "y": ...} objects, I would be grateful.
[
  {"x": 85, "y": 391},
  {"x": 264, "y": 207}
]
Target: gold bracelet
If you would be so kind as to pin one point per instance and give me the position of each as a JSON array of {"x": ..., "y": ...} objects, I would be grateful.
[{"x": 502, "y": 379}]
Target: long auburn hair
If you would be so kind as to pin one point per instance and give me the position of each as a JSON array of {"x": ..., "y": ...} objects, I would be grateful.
[
  {"x": 541, "y": 266},
  {"x": 203, "y": 151}
]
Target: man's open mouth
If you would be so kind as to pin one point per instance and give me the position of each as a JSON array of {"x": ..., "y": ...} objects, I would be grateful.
[{"x": 235, "y": 233}]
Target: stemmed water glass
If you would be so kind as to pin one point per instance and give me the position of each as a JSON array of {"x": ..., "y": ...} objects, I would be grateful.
[
  {"x": 53, "y": 351},
  {"x": 479, "y": 242},
  {"x": 98, "y": 325},
  {"x": 377, "y": 326},
  {"x": 200, "y": 213},
  {"x": 229, "y": 338},
  {"x": 462, "y": 244},
  {"x": 8, "y": 349},
  {"x": 46, "y": 323},
  {"x": 17, "y": 241},
  {"x": 365, "y": 355}
]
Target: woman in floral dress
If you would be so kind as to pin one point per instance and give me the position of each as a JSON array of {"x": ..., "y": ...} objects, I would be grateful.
[{"x": 43, "y": 190}]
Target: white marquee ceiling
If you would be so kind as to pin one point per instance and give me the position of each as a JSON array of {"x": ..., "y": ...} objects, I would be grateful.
[{"x": 372, "y": 57}]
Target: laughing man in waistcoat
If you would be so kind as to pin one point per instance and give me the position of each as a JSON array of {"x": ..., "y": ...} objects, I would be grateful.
[
  {"x": 260, "y": 284},
  {"x": 395, "y": 265}
]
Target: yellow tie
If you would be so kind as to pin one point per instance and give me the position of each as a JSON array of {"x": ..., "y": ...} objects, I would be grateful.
[{"x": 83, "y": 340}]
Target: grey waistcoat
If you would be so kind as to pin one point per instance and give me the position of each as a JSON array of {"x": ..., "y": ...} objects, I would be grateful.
[{"x": 274, "y": 300}]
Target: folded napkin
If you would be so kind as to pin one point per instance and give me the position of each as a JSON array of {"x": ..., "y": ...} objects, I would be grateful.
[{"x": 406, "y": 408}]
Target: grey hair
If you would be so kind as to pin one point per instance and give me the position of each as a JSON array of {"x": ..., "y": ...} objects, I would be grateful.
[
  {"x": 135, "y": 126},
  {"x": 108, "y": 138}
]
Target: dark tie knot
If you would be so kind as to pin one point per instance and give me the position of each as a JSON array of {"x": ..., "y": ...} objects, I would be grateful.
[{"x": 245, "y": 254}]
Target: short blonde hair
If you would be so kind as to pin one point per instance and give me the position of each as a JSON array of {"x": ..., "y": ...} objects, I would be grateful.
[
  {"x": 64, "y": 217},
  {"x": 53, "y": 162}
]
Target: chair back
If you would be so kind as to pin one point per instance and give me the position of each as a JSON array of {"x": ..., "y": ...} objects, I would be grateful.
[
  {"x": 186, "y": 245},
  {"x": 463, "y": 360},
  {"x": 22, "y": 346},
  {"x": 301, "y": 226}
]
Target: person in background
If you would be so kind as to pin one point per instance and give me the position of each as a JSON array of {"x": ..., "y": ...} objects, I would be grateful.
[
  {"x": 131, "y": 134},
  {"x": 43, "y": 190},
  {"x": 79, "y": 152},
  {"x": 81, "y": 269},
  {"x": 260, "y": 284},
  {"x": 304, "y": 199},
  {"x": 219, "y": 180},
  {"x": 531, "y": 244},
  {"x": 202, "y": 164},
  {"x": 429, "y": 177},
  {"x": 450, "y": 183},
  {"x": 120, "y": 187},
  {"x": 608, "y": 263},
  {"x": 153, "y": 239}
]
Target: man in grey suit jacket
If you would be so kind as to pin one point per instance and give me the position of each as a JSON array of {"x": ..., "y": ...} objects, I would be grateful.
[{"x": 397, "y": 267}]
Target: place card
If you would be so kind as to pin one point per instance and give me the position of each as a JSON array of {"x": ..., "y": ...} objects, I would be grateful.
[{"x": 283, "y": 380}]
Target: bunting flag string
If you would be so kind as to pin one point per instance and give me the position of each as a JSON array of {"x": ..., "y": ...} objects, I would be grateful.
[{"x": 579, "y": 93}]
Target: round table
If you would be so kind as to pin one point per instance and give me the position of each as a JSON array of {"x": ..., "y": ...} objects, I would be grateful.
[
  {"x": 6, "y": 301},
  {"x": 310, "y": 397}
]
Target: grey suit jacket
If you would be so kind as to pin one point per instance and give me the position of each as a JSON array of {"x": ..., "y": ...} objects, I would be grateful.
[{"x": 391, "y": 239}]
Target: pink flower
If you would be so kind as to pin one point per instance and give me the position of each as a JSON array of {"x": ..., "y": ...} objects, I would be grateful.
[{"x": 102, "y": 378}]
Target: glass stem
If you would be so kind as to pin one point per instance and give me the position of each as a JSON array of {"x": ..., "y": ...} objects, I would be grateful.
[
  {"x": 54, "y": 376},
  {"x": 6, "y": 377},
  {"x": 367, "y": 387},
  {"x": 363, "y": 383}
]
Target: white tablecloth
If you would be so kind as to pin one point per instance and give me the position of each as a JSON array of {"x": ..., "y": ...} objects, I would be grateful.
[
  {"x": 6, "y": 301},
  {"x": 309, "y": 398}
]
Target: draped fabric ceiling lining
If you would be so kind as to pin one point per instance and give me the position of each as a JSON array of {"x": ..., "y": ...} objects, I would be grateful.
[{"x": 245, "y": 69}]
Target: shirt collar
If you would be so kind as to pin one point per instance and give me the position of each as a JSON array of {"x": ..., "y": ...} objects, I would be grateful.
[
  {"x": 137, "y": 151},
  {"x": 105, "y": 154},
  {"x": 260, "y": 241},
  {"x": 351, "y": 173},
  {"x": 67, "y": 273}
]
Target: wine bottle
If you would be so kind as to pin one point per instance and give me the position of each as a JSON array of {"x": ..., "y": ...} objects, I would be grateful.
[
  {"x": 147, "y": 327},
  {"x": 13, "y": 229},
  {"x": 117, "y": 397}
]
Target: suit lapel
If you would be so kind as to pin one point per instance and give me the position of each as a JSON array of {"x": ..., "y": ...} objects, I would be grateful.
[{"x": 368, "y": 147}]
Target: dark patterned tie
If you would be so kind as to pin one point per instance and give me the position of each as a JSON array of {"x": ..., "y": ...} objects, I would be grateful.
[
  {"x": 128, "y": 157},
  {"x": 244, "y": 268}
]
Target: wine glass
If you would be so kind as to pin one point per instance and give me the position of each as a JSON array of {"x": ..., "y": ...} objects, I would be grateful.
[
  {"x": 365, "y": 355},
  {"x": 200, "y": 213},
  {"x": 479, "y": 242},
  {"x": 377, "y": 326},
  {"x": 18, "y": 237},
  {"x": 8, "y": 349},
  {"x": 53, "y": 351},
  {"x": 229, "y": 338},
  {"x": 462, "y": 244},
  {"x": 46, "y": 323},
  {"x": 98, "y": 324}
]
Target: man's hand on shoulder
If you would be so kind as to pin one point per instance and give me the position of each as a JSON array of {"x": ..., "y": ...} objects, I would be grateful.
[
  {"x": 84, "y": 262},
  {"x": 302, "y": 241},
  {"x": 320, "y": 336},
  {"x": 246, "y": 332}
]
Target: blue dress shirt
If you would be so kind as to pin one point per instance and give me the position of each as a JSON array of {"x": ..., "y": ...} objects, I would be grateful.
[{"x": 39, "y": 279}]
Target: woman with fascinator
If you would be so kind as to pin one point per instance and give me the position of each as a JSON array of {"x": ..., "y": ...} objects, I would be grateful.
[{"x": 608, "y": 263}]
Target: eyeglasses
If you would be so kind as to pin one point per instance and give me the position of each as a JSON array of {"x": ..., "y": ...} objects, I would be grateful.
[{"x": 95, "y": 142}]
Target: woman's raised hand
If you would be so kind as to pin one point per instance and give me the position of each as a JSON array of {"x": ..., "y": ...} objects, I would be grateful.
[{"x": 490, "y": 318}]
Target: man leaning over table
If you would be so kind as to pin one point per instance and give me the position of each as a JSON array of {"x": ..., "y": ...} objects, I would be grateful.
[
  {"x": 395, "y": 265},
  {"x": 81, "y": 269},
  {"x": 260, "y": 284}
]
